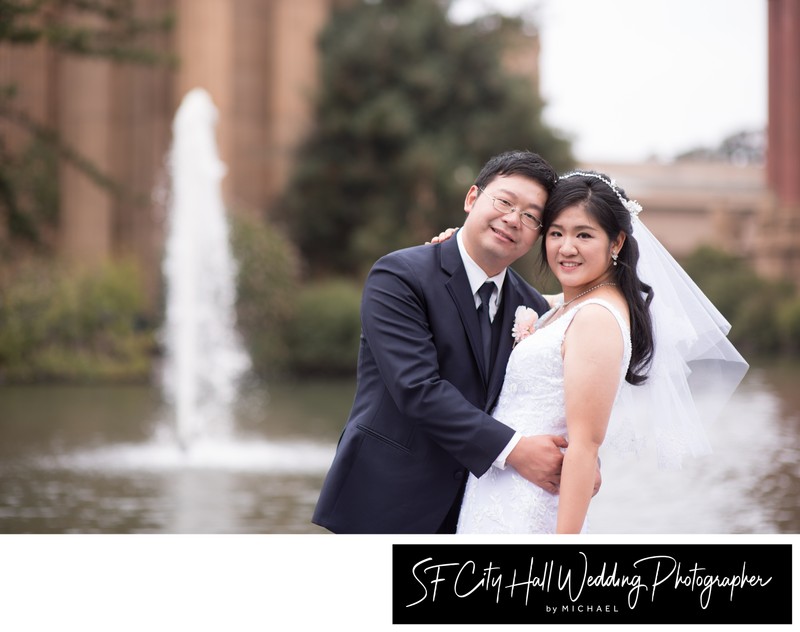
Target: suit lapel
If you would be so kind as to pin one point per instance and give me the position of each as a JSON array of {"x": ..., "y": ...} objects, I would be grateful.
[{"x": 461, "y": 293}]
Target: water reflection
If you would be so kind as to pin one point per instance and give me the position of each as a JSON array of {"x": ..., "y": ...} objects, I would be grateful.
[
  {"x": 93, "y": 461},
  {"x": 98, "y": 461}
]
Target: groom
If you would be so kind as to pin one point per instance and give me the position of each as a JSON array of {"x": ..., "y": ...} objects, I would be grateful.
[{"x": 419, "y": 422}]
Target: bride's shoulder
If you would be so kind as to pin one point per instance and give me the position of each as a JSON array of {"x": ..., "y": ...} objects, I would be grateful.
[
  {"x": 607, "y": 312},
  {"x": 596, "y": 332}
]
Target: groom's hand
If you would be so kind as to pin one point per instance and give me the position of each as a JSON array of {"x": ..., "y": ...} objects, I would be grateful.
[{"x": 538, "y": 459}]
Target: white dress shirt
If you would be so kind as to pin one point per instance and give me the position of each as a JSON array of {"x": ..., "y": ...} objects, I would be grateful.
[{"x": 477, "y": 277}]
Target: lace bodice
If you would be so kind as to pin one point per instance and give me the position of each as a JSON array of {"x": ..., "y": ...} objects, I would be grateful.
[{"x": 531, "y": 402}]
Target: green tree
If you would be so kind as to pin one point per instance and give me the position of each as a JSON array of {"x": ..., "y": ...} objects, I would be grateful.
[
  {"x": 410, "y": 106},
  {"x": 93, "y": 28}
]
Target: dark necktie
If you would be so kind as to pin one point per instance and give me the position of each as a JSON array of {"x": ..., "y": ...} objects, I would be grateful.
[{"x": 485, "y": 293}]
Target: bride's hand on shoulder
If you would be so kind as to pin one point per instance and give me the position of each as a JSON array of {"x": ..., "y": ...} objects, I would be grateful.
[{"x": 443, "y": 236}]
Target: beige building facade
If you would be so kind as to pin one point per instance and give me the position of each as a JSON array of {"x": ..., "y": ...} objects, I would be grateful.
[{"x": 691, "y": 204}]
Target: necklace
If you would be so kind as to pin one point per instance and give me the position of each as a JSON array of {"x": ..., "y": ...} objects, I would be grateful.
[{"x": 591, "y": 289}]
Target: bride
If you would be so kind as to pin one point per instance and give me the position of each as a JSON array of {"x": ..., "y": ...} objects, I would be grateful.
[{"x": 629, "y": 330}]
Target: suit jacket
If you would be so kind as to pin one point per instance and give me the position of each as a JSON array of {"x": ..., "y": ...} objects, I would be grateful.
[{"x": 419, "y": 421}]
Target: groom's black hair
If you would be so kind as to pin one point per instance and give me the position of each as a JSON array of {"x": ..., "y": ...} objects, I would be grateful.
[{"x": 518, "y": 163}]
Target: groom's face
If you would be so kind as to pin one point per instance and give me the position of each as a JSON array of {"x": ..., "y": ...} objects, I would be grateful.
[{"x": 495, "y": 239}]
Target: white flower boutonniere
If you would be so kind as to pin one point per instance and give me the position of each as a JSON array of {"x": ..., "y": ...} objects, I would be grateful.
[{"x": 524, "y": 322}]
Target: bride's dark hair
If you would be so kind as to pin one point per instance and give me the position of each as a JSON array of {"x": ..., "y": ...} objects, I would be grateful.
[{"x": 594, "y": 192}]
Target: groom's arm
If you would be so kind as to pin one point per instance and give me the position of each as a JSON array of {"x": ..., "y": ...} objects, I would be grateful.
[{"x": 539, "y": 459}]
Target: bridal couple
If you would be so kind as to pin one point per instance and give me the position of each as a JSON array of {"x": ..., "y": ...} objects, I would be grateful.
[{"x": 481, "y": 408}]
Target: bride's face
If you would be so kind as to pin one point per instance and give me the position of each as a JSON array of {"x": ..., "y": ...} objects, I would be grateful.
[{"x": 579, "y": 250}]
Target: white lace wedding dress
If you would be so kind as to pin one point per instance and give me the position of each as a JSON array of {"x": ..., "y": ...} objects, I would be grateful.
[{"x": 532, "y": 402}]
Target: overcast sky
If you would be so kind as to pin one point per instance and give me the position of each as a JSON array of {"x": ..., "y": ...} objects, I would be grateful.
[{"x": 630, "y": 79}]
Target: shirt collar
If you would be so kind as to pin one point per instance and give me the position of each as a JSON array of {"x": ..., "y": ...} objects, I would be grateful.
[{"x": 477, "y": 277}]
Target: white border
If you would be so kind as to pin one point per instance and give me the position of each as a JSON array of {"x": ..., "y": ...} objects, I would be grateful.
[{"x": 240, "y": 583}]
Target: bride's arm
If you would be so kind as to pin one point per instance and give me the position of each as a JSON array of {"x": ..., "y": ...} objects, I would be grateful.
[{"x": 593, "y": 351}]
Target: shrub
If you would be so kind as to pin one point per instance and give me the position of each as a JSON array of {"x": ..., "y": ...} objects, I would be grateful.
[
  {"x": 789, "y": 325},
  {"x": 754, "y": 326},
  {"x": 757, "y": 308},
  {"x": 267, "y": 283},
  {"x": 325, "y": 331},
  {"x": 722, "y": 277},
  {"x": 61, "y": 324}
]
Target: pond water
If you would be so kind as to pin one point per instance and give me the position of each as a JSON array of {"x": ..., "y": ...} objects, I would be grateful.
[{"x": 99, "y": 460}]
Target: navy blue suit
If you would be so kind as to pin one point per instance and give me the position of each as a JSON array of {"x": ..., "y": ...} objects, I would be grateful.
[{"x": 419, "y": 419}]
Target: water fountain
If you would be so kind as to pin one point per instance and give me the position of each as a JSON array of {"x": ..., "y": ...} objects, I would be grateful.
[
  {"x": 209, "y": 463},
  {"x": 205, "y": 359}
]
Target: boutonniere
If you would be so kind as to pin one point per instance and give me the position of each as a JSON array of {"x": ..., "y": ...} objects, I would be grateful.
[{"x": 524, "y": 322}]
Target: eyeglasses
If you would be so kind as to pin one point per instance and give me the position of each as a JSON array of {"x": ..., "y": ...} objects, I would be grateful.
[{"x": 504, "y": 206}]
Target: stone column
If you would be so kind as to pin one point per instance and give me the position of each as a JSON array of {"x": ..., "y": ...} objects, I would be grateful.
[
  {"x": 204, "y": 45},
  {"x": 293, "y": 79},
  {"x": 779, "y": 233},
  {"x": 142, "y": 98},
  {"x": 248, "y": 174},
  {"x": 783, "y": 158},
  {"x": 83, "y": 122},
  {"x": 28, "y": 69}
]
